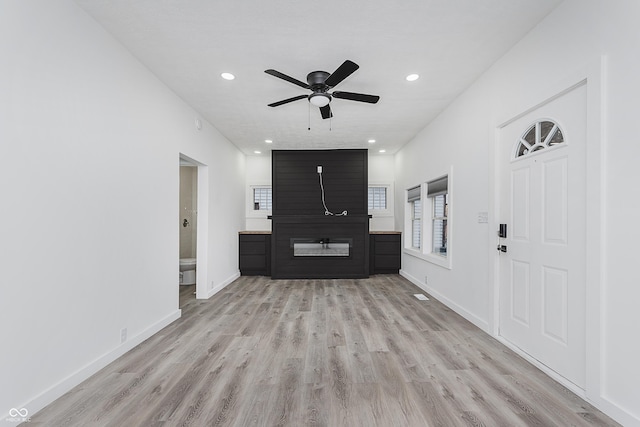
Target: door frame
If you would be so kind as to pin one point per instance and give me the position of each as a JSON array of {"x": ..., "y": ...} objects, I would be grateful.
[
  {"x": 202, "y": 226},
  {"x": 592, "y": 76}
]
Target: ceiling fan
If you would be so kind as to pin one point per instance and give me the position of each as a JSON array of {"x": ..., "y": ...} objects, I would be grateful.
[{"x": 320, "y": 82}]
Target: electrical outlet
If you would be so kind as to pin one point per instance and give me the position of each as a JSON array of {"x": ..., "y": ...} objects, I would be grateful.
[
  {"x": 123, "y": 335},
  {"x": 425, "y": 280},
  {"x": 211, "y": 285},
  {"x": 319, "y": 169}
]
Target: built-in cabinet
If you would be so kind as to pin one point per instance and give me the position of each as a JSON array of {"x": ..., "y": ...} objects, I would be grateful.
[
  {"x": 384, "y": 252},
  {"x": 255, "y": 253}
]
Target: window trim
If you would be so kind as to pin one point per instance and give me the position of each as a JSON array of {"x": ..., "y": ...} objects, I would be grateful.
[
  {"x": 268, "y": 196},
  {"x": 426, "y": 251},
  {"x": 251, "y": 212},
  {"x": 412, "y": 194},
  {"x": 388, "y": 212}
]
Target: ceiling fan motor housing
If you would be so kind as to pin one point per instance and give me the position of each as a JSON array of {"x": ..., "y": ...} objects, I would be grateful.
[{"x": 316, "y": 80}]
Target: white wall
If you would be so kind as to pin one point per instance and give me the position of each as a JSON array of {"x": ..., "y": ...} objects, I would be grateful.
[
  {"x": 452, "y": 148},
  {"x": 90, "y": 144},
  {"x": 258, "y": 172},
  {"x": 569, "y": 42}
]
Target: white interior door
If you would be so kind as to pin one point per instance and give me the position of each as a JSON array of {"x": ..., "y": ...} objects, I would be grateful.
[{"x": 542, "y": 201}]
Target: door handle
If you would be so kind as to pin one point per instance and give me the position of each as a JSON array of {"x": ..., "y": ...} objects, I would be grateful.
[{"x": 502, "y": 248}]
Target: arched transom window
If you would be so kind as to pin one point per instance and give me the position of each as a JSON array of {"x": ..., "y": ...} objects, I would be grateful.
[{"x": 540, "y": 135}]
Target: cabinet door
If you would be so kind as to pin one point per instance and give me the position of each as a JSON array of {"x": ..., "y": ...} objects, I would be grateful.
[
  {"x": 385, "y": 253},
  {"x": 254, "y": 254}
]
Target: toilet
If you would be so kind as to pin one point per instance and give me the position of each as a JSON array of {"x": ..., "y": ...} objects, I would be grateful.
[{"x": 187, "y": 271}]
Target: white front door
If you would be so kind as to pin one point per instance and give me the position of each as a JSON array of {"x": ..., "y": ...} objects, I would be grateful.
[{"x": 541, "y": 160}]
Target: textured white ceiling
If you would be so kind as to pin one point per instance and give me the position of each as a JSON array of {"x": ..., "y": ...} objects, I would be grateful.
[{"x": 188, "y": 43}]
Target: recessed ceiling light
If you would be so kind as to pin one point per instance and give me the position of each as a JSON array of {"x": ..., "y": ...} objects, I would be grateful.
[
  {"x": 257, "y": 152},
  {"x": 227, "y": 76},
  {"x": 371, "y": 141},
  {"x": 382, "y": 151},
  {"x": 412, "y": 77},
  {"x": 268, "y": 141}
]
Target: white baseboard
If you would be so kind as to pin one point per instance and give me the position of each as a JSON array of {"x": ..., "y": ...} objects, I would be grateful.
[
  {"x": 624, "y": 416},
  {"x": 480, "y": 323},
  {"x": 54, "y": 392},
  {"x": 223, "y": 285}
]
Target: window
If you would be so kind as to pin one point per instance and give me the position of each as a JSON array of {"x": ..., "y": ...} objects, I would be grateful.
[
  {"x": 437, "y": 192},
  {"x": 415, "y": 209},
  {"x": 427, "y": 226},
  {"x": 540, "y": 135},
  {"x": 262, "y": 199},
  {"x": 377, "y": 198},
  {"x": 380, "y": 203}
]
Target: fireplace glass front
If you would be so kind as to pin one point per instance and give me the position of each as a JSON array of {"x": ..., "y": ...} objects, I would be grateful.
[{"x": 322, "y": 247}]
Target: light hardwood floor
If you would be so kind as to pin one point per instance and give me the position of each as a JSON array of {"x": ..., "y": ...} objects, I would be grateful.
[{"x": 319, "y": 353}]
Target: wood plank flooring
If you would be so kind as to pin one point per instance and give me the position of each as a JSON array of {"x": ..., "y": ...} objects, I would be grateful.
[{"x": 319, "y": 353}]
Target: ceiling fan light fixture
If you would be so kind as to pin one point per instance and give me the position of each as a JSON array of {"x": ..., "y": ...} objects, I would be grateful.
[
  {"x": 320, "y": 82},
  {"x": 319, "y": 99}
]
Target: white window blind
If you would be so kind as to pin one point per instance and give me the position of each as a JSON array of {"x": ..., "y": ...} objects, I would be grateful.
[
  {"x": 413, "y": 194},
  {"x": 262, "y": 199},
  {"x": 415, "y": 208},
  {"x": 437, "y": 191},
  {"x": 377, "y": 198},
  {"x": 416, "y": 223}
]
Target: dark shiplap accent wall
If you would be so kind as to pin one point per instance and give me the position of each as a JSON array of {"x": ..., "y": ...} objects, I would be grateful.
[
  {"x": 296, "y": 187},
  {"x": 298, "y": 211}
]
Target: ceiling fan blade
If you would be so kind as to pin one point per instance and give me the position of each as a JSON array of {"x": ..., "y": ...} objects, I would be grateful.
[
  {"x": 326, "y": 112},
  {"x": 352, "y": 96},
  {"x": 345, "y": 70},
  {"x": 279, "y": 75},
  {"x": 285, "y": 101}
]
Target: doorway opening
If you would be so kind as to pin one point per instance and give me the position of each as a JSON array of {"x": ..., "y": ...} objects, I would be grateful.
[
  {"x": 192, "y": 226},
  {"x": 188, "y": 226}
]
